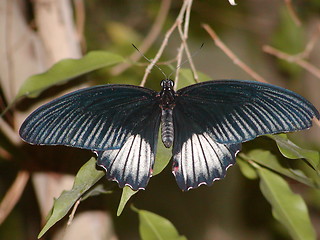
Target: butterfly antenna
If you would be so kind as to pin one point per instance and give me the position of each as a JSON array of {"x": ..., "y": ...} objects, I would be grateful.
[
  {"x": 187, "y": 60},
  {"x": 150, "y": 61}
]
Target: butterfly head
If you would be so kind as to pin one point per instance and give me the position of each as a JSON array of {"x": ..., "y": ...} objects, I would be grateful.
[
  {"x": 167, "y": 94},
  {"x": 167, "y": 84}
]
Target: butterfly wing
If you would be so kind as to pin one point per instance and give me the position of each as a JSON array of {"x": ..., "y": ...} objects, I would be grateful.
[
  {"x": 119, "y": 122},
  {"x": 197, "y": 158},
  {"x": 132, "y": 164},
  {"x": 95, "y": 118},
  {"x": 233, "y": 111}
]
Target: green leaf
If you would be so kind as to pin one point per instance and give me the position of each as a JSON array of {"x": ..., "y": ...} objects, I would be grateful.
[
  {"x": 287, "y": 207},
  {"x": 187, "y": 77},
  {"x": 292, "y": 151},
  {"x": 247, "y": 170},
  {"x": 297, "y": 170},
  {"x": 84, "y": 180},
  {"x": 155, "y": 227},
  {"x": 95, "y": 191},
  {"x": 66, "y": 69},
  {"x": 163, "y": 157},
  {"x": 127, "y": 193}
]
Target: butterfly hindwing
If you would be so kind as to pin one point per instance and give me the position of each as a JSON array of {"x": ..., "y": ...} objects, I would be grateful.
[
  {"x": 132, "y": 164},
  {"x": 197, "y": 158},
  {"x": 234, "y": 111}
]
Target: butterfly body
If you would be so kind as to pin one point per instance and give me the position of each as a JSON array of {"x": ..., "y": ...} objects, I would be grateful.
[
  {"x": 167, "y": 104},
  {"x": 205, "y": 124}
]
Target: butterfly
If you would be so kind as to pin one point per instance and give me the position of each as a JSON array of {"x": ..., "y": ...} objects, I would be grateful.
[{"x": 204, "y": 123}]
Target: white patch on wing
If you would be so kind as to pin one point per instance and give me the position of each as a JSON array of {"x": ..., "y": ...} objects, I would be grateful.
[
  {"x": 131, "y": 165},
  {"x": 201, "y": 160}
]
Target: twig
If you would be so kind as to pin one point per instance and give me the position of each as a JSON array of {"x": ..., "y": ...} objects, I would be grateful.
[
  {"x": 73, "y": 212},
  {"x": 167, "y": 62},
  {"x": 231, "y": 55},
  {"x": 164, "y": 43},
  {"x": 149, "y": 39},
  {"x": 183, "y": 36},
  {"x": 13, "y": 194},
  {"x": 310, "y": 45},
  {"x": 292, "y": 12},
  {"x": 184, "y": 46},
  {"x": 179, "y": 61},
  {"x": 293, "y": 59},
  {"x": 9, "y": 132}
]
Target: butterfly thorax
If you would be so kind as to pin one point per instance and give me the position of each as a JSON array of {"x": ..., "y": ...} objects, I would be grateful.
[{"x": 167, "y": 103}]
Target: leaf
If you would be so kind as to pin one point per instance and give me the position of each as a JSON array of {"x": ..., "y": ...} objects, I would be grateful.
[
  {"x": 188, "y": 79},
  {"x": 292, "y": 151},
  {"x": 163, "y": 157},
  {"x": 297, "y": 170},
  {"x": 155, "y": 227},
  {"x": 247, "y": 170},
  {"x": 127, "y": 193},
  {"x": 84, "y": 180},
  {"x": 95, "y": 191},
  {"x": 65, "y": 70},
  {"x": 287, "y": 207}
]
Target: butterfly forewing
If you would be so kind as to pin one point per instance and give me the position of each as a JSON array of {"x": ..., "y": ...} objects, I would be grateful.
[
  {"x": 95, "y": 118},
  {"x": 119, "y": 122},
  {"x": 234, "y": 111}
]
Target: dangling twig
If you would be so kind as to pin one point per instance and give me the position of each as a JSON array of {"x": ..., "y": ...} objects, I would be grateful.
[
  {"x": 148, "y": 40},
  {"x": 184, "y": 47},
  {"x": 231, "y": 55},
  {"x": 164, "y": 43}
]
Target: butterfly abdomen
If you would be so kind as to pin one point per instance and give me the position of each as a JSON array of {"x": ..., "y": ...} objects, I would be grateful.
[{"x": 167, "y": 127}]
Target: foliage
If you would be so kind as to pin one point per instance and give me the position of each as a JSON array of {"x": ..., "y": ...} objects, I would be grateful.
[{"x": 274, "y": 165}]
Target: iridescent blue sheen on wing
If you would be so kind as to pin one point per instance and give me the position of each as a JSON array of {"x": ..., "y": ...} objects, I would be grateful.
[
  {"x": 197, "y": 158},
  {"x": 234, "y": 111}
]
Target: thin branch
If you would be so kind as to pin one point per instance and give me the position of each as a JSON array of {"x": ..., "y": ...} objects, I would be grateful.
[
  {"x": 73, "y": 212},
  {"x": 149, "y": 39},
  {"x": 9, "y": 132},
  {"x": 158, "y": 55},
  {"x": 231, "y": 55},
  {"x": 13, "y": 194},
  {"x": 179, "y": 61},
  {"x": 311, "y": 44},
  {"x": 183, "y": 36},
  {"x": 164, "y": 43},
  {"x": 293, "y": 59},
  {"x": 184, "y": 46},
  {"x": 167, "y": 62},
  {"x": 292, "y": 12}
]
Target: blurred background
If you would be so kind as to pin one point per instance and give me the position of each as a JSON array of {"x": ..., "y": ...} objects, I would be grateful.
[{"x": 36, "y": 34}]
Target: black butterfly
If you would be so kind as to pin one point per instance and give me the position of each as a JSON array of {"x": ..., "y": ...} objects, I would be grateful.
[{"x": 205, "y": 122}]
